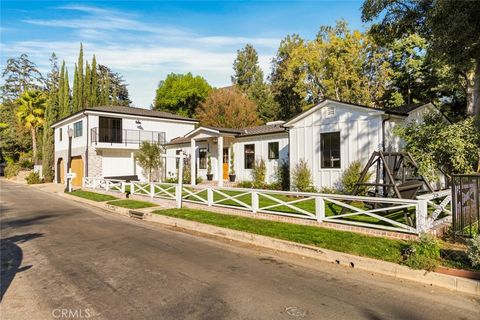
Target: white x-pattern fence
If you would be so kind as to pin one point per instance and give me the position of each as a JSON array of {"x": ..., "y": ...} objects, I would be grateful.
[{"x": 411, "y": 216}]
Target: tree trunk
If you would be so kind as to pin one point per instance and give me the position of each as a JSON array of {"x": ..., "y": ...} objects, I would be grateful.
[
  {"x": 34, "y": 145},
  {"x": 473, "y": 90}
]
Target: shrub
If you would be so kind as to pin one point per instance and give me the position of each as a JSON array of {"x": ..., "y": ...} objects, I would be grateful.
[
  {"x": 232, "y": 162},
  {"x": 33, "y": 178},
  {"x": 25, "y": 160},
  {"x": 302, "y": 177},
  {"x": 11, "y": 170},
  {"x": 282, "y": 181},
  {"x": 473, "y": 252},
  {"x": 246, "y": 184},
  {"x": 422, "y": 254},
  {"x": 351, "y": 176},
  {"x": 259, "y": 173}
]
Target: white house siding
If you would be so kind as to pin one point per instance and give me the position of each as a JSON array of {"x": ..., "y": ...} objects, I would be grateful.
[
  {"x": 360, "y": 135},
  {"x": 261, "y": 152},
  {"x": 171, "y": 170}
]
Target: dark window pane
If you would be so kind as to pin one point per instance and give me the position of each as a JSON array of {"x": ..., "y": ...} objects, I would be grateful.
[
  {"x": 330, "y": 148},
  {"x": 110, "y": 130},
  {"x": 78, "y": 129},
  {"x": 249, "y": 156},
  {"x": 273, "y": 150},
  {"x": 202, "y": 158}
]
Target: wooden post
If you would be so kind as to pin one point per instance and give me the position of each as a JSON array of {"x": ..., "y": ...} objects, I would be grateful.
[
  {"x": 209, "y": 197},
  {"x": 255, "y": 201},
  {"x": 320, "y": 208}
]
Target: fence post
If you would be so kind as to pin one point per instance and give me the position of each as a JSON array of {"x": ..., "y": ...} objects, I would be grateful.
[
  {"x": 132, "y": 187},
  {"x": 319, "y": 208},
  {"x": 422, "y": 216},
  {"x": 178, "y": 195},
  {"x": 254, "y": 201},
  {"x": 123, "y": 186},
  {"x": 106, "y": 185},
  {"x": 152, "y": 189},
  {"x": 94, "y": 183},
  {"x": 209, "y": 197}
]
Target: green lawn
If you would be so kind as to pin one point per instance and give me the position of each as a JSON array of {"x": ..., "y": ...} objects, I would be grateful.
[
  {"x": 331, "y": 209},
  {"x": 343, "y": 241},
  {"x": 131, "y": 204},
  {"x": 92, "y": 195}
]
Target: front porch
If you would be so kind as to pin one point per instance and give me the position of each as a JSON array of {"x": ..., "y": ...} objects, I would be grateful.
[{"x": 212, "y": 144}]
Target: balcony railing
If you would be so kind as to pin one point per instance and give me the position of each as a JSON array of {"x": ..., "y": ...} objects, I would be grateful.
[{"x": 125, "y": 136}]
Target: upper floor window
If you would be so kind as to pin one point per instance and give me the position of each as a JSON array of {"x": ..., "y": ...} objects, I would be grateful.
[
  {"x": 110, "y": 130},
  {"x": 273, "y": 150},
  {"x": 78, "y": 129},
  {"x": 202, "y": 158},
  {"x": 60, "y": 134},
  {"x": 330, "y": 148},
  {"x": 249, "y": 156}
]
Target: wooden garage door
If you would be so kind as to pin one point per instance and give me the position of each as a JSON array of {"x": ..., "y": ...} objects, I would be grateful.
[
  {"x": 61, "y": 171},
  {"x": 77, "y": 167}
]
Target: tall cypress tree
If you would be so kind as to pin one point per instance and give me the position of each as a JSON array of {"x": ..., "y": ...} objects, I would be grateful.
[
  {"x": 94, "y": 97},
  {"x": 86, "y": 87},
  {"x": 66, "y": 95},
  {"x": 61, "y": 91},
  {"x": 51, "y": 115},
  {"x": 76, "y": 85},
  {"x": 80, "y": 76}
]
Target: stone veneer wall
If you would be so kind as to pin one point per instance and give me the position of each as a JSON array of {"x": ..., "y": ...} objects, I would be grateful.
[{"x": 94, "y": 163}]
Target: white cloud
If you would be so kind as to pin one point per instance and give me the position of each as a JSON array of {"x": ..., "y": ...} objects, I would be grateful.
[{"x": 143, "y": 53}]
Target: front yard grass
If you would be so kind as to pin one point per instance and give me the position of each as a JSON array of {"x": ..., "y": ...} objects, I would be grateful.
[
  {"x": 132, "y": 204},
  {"x": 99, "y": 197},
  {"x": 343, "y": 241}
]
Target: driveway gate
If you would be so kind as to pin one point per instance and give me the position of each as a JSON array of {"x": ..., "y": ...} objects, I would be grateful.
[{"x": 466, "y": 204}]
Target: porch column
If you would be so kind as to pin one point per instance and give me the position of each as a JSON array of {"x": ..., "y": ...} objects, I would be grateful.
[
  {"x": 220, "y": 161},
  {"x": 193, "y": 162}
]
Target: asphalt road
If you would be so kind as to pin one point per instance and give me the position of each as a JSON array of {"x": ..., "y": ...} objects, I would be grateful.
[{"x": 64, "y": 260}]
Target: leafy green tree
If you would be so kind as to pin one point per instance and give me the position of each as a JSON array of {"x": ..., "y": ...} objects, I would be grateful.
[
  {"x": 342, "y": 65},
  {"x": 149, "y": 157},
  {"x": 95, "y": 86},
  {"x": 228, "y": 108},
  {"x": 248, "y": 76},
  {"x": 450, "y": 28},
  {"x": 20, "y": 74},
  {"x": 286, "y": 80},
  {"x": 113, "y": 89},
  {"x": 181, "y": 93},
  {"x": 431, "y": 143},
  {"x": 87, "y": 88},
  {"x": 14, "y": 138},
  {"x": 247, "y": 70},
  {"x": 30, "y": 113}
]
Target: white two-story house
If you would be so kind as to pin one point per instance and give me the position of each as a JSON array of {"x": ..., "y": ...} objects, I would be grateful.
[{"x": 104, "y": 140}]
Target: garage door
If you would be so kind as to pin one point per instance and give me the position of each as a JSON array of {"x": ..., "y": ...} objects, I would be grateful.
[
  {"x": 77, "y": 167},
  {"x": 61, "y": 171},
  {"x": 117, "y": 163}
]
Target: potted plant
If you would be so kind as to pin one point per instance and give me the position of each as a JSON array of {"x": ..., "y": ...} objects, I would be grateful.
[
  {"x": 209, "y": 168},
  {"x": 232, "y": 175}
]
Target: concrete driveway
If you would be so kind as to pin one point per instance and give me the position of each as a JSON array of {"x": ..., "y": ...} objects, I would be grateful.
[{"x": 63, "y": 260}]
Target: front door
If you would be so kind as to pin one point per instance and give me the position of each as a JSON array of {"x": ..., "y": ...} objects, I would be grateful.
[{"x": 225, "y": 163}]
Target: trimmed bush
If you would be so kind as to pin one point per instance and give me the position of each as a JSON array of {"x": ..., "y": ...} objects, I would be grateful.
[
  {"x": 33, "y": 178},
  {"x": 302, "y": 177},
  {"x": 259, "y": 173},
  {"x": 11, "y": 170},
  {"x": 351, "y": 176},
  {"x": 422, "y": 254},
  {"x": 473, "y": 252},
  {"x": 282, "y": 177}
]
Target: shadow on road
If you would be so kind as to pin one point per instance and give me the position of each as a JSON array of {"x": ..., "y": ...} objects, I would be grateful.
[{"x": 11, "y": 258}]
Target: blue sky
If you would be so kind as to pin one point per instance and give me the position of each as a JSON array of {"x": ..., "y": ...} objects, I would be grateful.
[{"x": 146, "y": 40}]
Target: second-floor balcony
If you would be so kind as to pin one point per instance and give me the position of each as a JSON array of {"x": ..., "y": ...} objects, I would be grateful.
[{"x": 108, "y": 137}]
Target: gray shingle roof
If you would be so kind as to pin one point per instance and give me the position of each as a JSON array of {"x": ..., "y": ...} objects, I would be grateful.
[
  {"x": 266, "y": 129},
  {"x": 141, "y": 112}
]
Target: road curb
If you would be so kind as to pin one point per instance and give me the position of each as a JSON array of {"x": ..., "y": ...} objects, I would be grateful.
[
  {"x": 345, "y": 259},
  {"x": 355, "y": 262}
]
